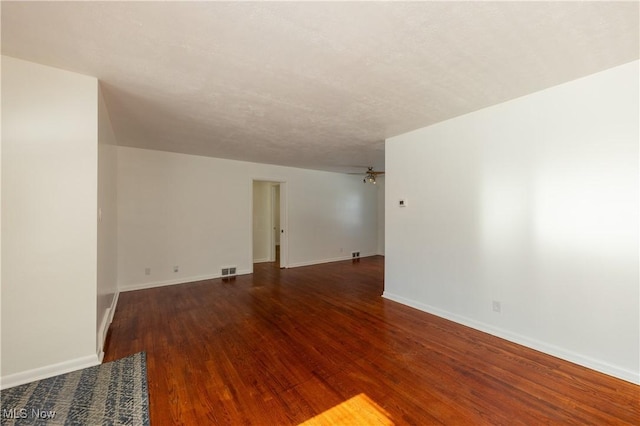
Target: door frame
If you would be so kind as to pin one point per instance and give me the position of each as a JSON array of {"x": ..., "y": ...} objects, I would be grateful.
[
  {"x": 275, "y": 230},
  {"x": 284, "y": 231}
]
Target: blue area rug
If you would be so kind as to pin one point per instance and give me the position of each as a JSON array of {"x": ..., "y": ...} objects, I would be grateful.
[{"x": 114, "y": 393}]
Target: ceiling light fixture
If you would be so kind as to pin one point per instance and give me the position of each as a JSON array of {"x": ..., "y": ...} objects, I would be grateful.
[
  {"x": 370, "y": 175},
  {"x": 370, "y": 178}
]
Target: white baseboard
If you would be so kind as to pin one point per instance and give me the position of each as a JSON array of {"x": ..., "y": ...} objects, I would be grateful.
[
  {"x": 553, "y": 350},
  {"x": 107, "y": 319},
  {"x": 329, "y": 260},
  {"x": 263, "y": 260},
  {"x": 112, "y": 310},
  {"x": 47, "y": 371},
  {"x": 184, "y": 280}
]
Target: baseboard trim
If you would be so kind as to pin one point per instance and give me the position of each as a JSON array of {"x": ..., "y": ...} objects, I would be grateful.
[
  {"x": 114, "y": 304},
  {"x": 184, "y": 280},
  {"x": 576, "y": 358},
  {"x": 329, "y": 260},
  {"x": 47, "y": 371},
  {"x": 107, "y": 319}
]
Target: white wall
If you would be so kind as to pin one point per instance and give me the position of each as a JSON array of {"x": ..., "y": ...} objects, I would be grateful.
[
  {"x": 532, "y": 203},
  {"x": 262, "y": 207},
  {"x": 275, "y": 202},
  {"x": 1, "y": 204},
  {"x": 49, "y": 190},
  {"x": 381, "y": 190},
  {"x": 107, "y": 279},
  {"x": 195, "y": 212}
]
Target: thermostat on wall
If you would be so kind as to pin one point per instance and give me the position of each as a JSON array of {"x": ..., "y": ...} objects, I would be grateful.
[{"x": 402, "y": 203}]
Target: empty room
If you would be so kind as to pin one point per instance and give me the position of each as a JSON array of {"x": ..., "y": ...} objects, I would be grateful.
[{"x": 318, "y": 213}]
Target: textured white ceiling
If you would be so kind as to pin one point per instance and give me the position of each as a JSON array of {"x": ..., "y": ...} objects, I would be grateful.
[{"x": 312, "y": 85}]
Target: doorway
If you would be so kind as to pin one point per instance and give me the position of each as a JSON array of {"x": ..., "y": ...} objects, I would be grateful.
[
  {"x": 275, "y": 224},
  {"x": 269, "y": 223}
]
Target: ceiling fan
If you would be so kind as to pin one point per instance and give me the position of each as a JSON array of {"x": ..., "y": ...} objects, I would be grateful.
[{"x": 370, "y": 175}]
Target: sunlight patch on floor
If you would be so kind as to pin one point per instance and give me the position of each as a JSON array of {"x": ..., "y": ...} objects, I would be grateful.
[{"x": 359, "y": 410}]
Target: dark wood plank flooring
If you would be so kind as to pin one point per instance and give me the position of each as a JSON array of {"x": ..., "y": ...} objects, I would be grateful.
[{"x": 319, "y": 345}]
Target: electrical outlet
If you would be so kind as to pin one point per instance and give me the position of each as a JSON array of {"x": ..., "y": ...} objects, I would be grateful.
[
  {"x": 176, "y": 268},
  {"x": 496, "y": 306},
  {"x": 147, "y": 271}
]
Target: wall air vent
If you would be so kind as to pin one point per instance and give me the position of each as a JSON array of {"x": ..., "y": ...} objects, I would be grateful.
[{"x": 229, "y": 271}]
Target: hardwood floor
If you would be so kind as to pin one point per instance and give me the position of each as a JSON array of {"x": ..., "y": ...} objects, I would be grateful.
[{"x": 318, "y": 345}]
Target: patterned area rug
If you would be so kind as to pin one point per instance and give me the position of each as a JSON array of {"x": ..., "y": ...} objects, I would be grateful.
[{"x": 114, "y": 393}]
